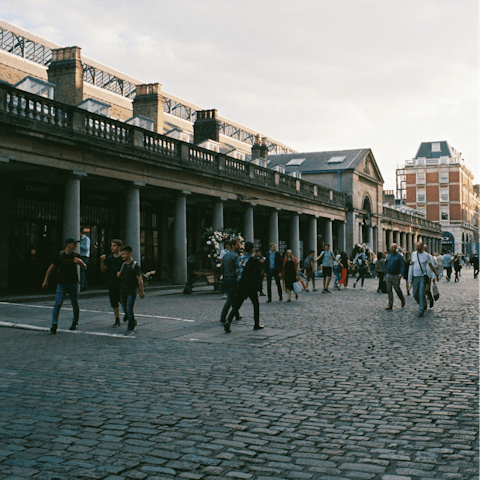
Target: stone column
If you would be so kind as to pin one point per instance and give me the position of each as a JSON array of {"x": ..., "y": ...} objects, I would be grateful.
[
  {"x": 132, "y": 221},
  {"x": 375, "y": 239},
  {"x": 164, "y": 245},
  {"x": 248, "y": 231},
  {"x": 71, "y": 209},
  {"x": 312, "y": 236},
  {"x": 370, "y": 236},
  {"x": 180, "y": 240},
  {"x": 403, "y": 240},
  {"x": 389, "y": 239},
  {"x": 295, "y": 236},
  {"x": 218, "y": 215},
  {"x": 273, "y": 230},
  {"x": 329, "y": 232},
  {"x": 342, "y": 237}
]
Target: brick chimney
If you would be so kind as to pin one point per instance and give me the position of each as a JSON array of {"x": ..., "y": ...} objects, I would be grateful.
[
  {"x": 66, "y": 72},
  {"x": 260, "y": 148},
  {"x": 206, "y": 127},
  {"x": 149, "y": 103}
]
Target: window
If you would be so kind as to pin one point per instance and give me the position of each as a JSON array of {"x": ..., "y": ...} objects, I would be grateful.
[
  {"x": 421, "y": 196},
  {"x": 436, "y": 147},
  {"x": 443, "y": 177},
  {"x": 444, "y": 214},
  {"x": 420, "y": 177},
  {"x": 444, "y": 194},
  {"x": 336, "y": 159},
  {"x": 295, "y": 162}
]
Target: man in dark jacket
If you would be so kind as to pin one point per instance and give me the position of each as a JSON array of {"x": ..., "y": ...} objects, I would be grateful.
[
  {"x": 249, "y": 283},
  {"x": 273, "y": 269}
]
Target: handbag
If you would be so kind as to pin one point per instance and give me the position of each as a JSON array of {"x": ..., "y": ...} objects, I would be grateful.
[
  {"x": 435, "y": 292},
  {"x": 298, "y": 287}
]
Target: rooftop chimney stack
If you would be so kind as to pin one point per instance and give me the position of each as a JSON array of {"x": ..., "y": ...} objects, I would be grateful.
[
  {"x": 66, "y": 73},
  {"x": 206, "y": 127},
  {"x": 149, "y": 103},
  {"x": 264, "y": 148},
  {"x": 256, "y": 148}
]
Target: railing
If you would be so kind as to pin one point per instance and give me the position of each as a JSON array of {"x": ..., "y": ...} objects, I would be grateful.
[
  {"x": 20, "y": 104},
  {"x": 412, "y": 219}
]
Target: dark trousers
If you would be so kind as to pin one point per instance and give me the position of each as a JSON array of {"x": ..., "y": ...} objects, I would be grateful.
[
  {"x": 475, "y": 272},
  {"x": 361, "y": 275},
  {"x": 128, "y": 301},
  {"x": 271, "y": 275},
  {"x": 381, "y": 282},
  {"x": 231, "y": 290},
  {"x": 238, "y": 302},
  {"x": 449, "y": 272}
]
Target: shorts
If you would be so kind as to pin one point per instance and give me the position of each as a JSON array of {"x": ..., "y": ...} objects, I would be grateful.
[
  {"x": 310, "y": 274},
  {"x": 114, "y": 294},
  {"x": 327, "y": 271}
]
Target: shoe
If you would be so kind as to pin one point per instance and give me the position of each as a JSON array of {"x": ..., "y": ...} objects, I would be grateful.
[
  {"x": 129, "y": 333},
  {"x": 403, "y": 302},
  {"x": 74, "y": 326},
  {"x": 307, "y": 290},
  {"x": 337, "y": 287},
  {"x": 124, "y": 319},
  {"x": 389, "y": 307},
  {"x": 280, "y": 299},
  {"x": 431, "y": 303},
  {"x": 327, "y": 290},
  {"x": 323, "y": 291},
  {"x": 258, "y": 327},
  {"x": 355, "y": 284},
  {"x": 116, "y": 324},
  {"x": 361, "y": 288},
  {"x": 269, "y": 301},
  {"x": 262, "y": 294},
  {"x": 421, "y": 314},
  {"x": 222, "y": 321},
  {"x": 408, "y": 293},
  {"x": 296, "y": 296},
  {"x": 346, "y": 287},
  {"x": 314, "y": 290},
  {"x": 288, "y": 300},
  {"x": 53, "y": 328},
  {"x": 226, "y": 326},
  {"x": 224, "y": 296},
  {"x": 239, "y": 318}
]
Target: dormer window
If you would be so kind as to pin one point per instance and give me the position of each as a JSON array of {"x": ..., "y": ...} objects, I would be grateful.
[
  {"x": 95, "y": 106},
  {"x": 142, "y": 122},
  {"x": 36, "y": 86},
  {"x": 295, "y": 162}
]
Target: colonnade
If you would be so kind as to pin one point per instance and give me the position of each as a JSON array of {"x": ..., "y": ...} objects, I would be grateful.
[{"x": 408, "y": 240}]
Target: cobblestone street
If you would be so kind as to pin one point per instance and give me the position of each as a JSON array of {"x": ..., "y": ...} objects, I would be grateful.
[{"x": 334, "y": 387}]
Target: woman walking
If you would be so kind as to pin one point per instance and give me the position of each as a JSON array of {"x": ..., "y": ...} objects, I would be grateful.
[
  {"x": 361, "y": 262},
  {"x": 406, "y": 260},
  {"x": 345, "y": 263},
  {"x": 380, "y": 271},
  {"x": 290, "y": 274},
  {"x": 457, "y": 266}
]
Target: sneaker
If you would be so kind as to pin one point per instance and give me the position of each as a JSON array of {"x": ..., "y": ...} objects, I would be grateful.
[
  {"x": 124, "y": 319},
  {"x": 307, "y": 290},
  {"x": 314, "y": 290},
  {"x": 226, "y": 326},
  {"x": 53, "y": 328},
  {"x": 327, "y": 290},
  {"x": 361, "y": 288},
  {"x": 224, "y": 296},
  {"x": 337, "y": 287},
  {"x": 262, "y": 294},
  {"x": 355, "y": 284},
  {"x": 129, "y": 333},
  {"x": 116, "y": 324},
  {"x": 74, "y": 326},
  {"x": 258, "y": 327}
]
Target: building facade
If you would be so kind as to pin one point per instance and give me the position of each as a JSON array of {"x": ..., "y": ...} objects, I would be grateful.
[{"x": 436, "y": 182}]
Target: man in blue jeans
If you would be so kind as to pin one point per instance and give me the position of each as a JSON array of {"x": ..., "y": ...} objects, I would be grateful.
[
  {"x": 130, "y": 277},
  {"x": 230, "y": 274},
  {"x": 65, "y": 262}
]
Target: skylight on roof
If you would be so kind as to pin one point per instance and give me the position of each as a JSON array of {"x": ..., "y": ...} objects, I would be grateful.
[
  {"x": 336, "y": 159},
  {"x": 436, "y": 147},
  {"x": 295, "y": 162}
]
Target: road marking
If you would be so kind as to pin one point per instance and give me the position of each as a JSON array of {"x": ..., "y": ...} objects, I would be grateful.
[
  {"x": 77, "y": 332},
  {"x": 98, "y": 311}
]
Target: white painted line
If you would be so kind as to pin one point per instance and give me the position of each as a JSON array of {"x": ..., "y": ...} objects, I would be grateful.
[
  {"x": 76, "y": 332},
  {"x": 97, "y": 311}
]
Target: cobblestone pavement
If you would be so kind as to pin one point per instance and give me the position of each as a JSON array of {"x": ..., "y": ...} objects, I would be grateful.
[{"x": 334, "y": 387}]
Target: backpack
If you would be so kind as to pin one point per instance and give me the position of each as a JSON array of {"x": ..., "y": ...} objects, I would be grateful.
[
  {"x": 361, "y": 260},
  {"x": 307, "y": 263}
]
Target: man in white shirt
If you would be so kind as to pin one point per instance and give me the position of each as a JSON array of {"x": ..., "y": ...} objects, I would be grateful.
[{"x": 420, "y": 263}]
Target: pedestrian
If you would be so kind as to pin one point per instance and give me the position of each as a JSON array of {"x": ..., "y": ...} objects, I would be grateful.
[
  {"x": 380, "y": 272},
  {"x": 345, "y": 263},
  {"x": 430, "y": 275},
  {"x": 439, "y": 264},
  {"x": 326, "y": 258},
  {"x": 111, "y": 265},
  {"x": 394, "y": 267},
  {"x": 337, "y": 269},
  {"x": 230, "y": 274},
  {"x": 448, "y": 265},
  {"x": 360, "y": 262},
  {"x": 273, "y": 269},
  {"x": 290, "y": 274},
  {"x": 85, "y": 256},
  {"x": 309, "y": 265},
  {"x": 65, "y": 263},
  {"x": 475, "y": 265},
  {"x": 249, "y": 283},
  {"x": 372, "y": 261},
  {"x": 457, "y": 266},
  {"x": 467, "y": 261},
  {"x": 420, "y": 262},
  {"x": 130, "y": 277},
  {"x": 261, "y": 259},
  {"x": 406, "y": 266},
  {"x": 220, "y": 257}
]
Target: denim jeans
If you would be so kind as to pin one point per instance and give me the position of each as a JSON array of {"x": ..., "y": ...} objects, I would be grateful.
[
  {"x": 128, "y": 302},
  {"x": 62, "y": 290},
  {"x": 418, "y": 287}
]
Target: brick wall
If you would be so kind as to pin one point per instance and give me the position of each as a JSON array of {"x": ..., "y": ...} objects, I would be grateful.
[
  {"x": 432, "y": 177},
  {"x": 432, "y": 193},
  {"x": 411, "y": 179},
  {"x": 455, "y": 212},
  {"x": 454, "y": 177},
  {"x": 454, "y": 193},
  {"x": 411, "y": 194},
  {"x": 433, "y": 212}
]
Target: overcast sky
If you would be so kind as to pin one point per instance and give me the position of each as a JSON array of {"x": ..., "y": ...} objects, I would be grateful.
[{"x": 316, "y": 75}]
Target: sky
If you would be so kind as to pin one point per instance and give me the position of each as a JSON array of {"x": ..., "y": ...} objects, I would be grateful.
[{"x": 316, "y": 75}]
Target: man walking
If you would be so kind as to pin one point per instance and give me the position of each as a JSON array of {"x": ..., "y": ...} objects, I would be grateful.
[
  {"x": 430, "y": 274},
  {"x": 261, "y": 259},
  {"x": 65, "y": 263},
  {"x": 85, "y": 256},
  {"x": 416, "y": 275},
  {"x": 230, "y": 274},
  {"x": 393, "y": 275},
  {"x": 447, "y": 258},
  {"x": 475, "y": 266},
  {"x": 327, "y": 258},
  {"x": 309, "y": 265},
  {"x": 248, "y": 285},
  {"x": 273, "y": 269},
  {"x": 111, "y": 265},
  {"x": 130, "y": 277}
]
